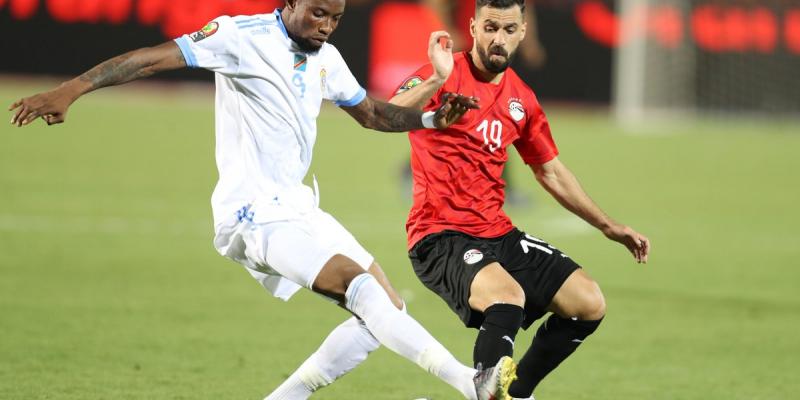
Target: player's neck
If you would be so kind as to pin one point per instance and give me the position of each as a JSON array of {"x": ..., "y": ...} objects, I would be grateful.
[{"x": 484, "y": 74}]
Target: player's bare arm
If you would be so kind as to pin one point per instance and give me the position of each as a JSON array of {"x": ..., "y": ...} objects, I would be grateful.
[
  {"x": 440, "y": 52},
  {"x": 562, "y": 184},
  {"x": 386, "y": 117},
  {"x": 52, "y": 105}
]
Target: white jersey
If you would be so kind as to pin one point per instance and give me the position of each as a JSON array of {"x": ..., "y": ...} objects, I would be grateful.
[{"x": 268, "y": 97}]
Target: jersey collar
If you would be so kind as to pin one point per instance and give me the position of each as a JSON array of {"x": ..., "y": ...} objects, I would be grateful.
[
  {"x": 280, "y": 22},
  {"x": 477, "y": 75}
]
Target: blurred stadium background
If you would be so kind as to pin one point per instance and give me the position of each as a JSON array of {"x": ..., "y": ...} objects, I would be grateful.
[{"x": 681, "y": 118}]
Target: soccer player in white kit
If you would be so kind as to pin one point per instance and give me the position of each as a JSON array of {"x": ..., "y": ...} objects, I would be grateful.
[{"x": 272, "y": 72}]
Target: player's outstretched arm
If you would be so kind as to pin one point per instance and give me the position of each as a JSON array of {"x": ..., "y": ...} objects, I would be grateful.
[
  {"x": 440, "y": 52},
  {"x": 560, "y": 182},
  {"x": 52, "y": 106},
  {"x": 386, "y": 117}
]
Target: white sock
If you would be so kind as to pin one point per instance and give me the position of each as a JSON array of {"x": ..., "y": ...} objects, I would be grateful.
[
  {"x": 293, "y": 388},
  {"x": 405, "y": 336},
  {"x": 346, "y": 347}
]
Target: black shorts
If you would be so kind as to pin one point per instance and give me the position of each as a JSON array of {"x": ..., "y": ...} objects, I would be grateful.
[{"x": 447, "y": 262}]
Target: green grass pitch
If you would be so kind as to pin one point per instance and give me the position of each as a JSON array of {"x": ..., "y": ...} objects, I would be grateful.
[{"x": 110, "y": 287}]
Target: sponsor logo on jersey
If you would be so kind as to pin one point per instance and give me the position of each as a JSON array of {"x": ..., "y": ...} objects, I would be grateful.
[
  {"x": 409, "y": 83},
  {"x": 516, "y": 109},
  {"x": 208, "y": 30},
  {"x": 300, "y": 62},
  {"x": 472, "y": 256}
]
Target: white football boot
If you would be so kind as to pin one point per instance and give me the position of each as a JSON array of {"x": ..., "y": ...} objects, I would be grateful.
[{"x": 493, "y": 383}]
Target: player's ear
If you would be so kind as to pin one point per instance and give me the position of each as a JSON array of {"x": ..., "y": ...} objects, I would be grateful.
[
  {"x": 290, "y": 4},
  {"x": 472, "y": 28},
  {"x": 523, "y": 28}
]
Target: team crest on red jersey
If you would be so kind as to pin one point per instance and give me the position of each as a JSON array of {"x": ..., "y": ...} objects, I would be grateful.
[{"x": 516, "y": 109}]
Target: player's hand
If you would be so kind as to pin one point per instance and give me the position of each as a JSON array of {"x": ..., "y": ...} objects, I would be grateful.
[
  {"x": 453, "y": 107},
  {"x": 440, "y": 52},
  {"x": 51, "y": 106},
  {"x": 637, "y": 244}
]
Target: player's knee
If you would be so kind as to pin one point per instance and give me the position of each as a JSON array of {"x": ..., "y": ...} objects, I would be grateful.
[
  {"x": 510, "y": 294},
  {"x": 593, "y": 304},
  {"x": 335, "y": 277},
  {"x": 515, "y": 295},
  {"x": 493, "y": 285}
]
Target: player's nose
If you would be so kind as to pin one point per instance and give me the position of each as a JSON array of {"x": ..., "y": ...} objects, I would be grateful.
[
  {"x": 327, "y": 26},
  {"x": 500, "y": 38}
]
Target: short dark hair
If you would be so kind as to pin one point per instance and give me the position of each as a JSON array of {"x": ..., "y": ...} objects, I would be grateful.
[{"x": 501, "y": 4}]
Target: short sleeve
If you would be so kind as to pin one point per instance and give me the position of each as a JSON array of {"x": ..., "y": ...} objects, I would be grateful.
[
  {"x": 215, "y": 47},
  {"x": 536, "y": 145},
  {"x": 416, "y": 78},
  {"x": 341, "y": 86}
]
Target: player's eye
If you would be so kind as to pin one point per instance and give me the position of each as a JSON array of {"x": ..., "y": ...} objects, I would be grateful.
[
  {"x": 319, "y": 13},
  {"x": 511, "y": 30},
  {"x": 489, "y": 29}
]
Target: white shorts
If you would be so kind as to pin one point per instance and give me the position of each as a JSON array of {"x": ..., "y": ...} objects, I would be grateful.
[{"x": 285, "y": 255}]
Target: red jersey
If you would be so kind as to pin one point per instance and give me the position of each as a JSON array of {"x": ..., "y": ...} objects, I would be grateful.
[{"x": 457, "y": 171}]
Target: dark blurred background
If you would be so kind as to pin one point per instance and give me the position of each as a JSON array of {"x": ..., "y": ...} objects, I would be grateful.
[
  {"x": 66, "y": 37},
  {"x": 729, "y": 55}
]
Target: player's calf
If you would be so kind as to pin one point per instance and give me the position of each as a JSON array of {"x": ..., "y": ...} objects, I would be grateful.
[
  {"x": 555, "y": 340},
  {"x": 578, "y": 308},
  {"x": 501, "y": 300}
]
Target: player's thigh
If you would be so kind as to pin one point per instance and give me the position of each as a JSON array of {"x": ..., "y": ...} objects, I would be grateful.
[
  {"x": 290, "y": 249},
  {"x": 579, "y": 297},
  {"x": 326, "y": 228},
  {"x": 447, "y": 263},
  {"x": 349, "y": 259},
  {"x": 494, "y": 285},
  {"x": 540, "y": 268}
]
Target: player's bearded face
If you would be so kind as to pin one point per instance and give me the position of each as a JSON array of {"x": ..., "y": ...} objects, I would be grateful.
[
  {"x": 311, "y": 22},
  {"x": 496, "y": 59},
  {"x": 498, "y": 33}
]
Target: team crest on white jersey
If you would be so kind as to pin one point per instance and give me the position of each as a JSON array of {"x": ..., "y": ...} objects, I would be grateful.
[
  {"x": 472, "y": 256},
  {"x": 516, "y": 109}
]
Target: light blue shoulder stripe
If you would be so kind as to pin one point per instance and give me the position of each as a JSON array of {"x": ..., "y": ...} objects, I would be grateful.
[
  {"x": 188, "y": 54},
  {"x": 255, "y": 24},
  {"x": 247, "y": 21},
  {"x": 355, "y": 100}
]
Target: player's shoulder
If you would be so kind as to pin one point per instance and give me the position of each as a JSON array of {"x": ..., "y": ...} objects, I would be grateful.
[
  {"x": 460, "y": 60},
  {"x": 519, "y": 88},
  {"x": 516, "y": 83},
  {"x": 253, "y": 19},
  {"x": 257, "y": 24},
  {"x": 329, "y": 52}
]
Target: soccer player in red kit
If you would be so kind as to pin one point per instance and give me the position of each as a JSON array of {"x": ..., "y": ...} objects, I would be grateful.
[
  {"x": 461, "y": 244},
  {"x": 456, "y": 16}
]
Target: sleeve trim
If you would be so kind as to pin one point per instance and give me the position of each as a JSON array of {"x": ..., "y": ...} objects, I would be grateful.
[
  {"x": 188, "y": 54},
  {"x": 355, "y": 100},
  {"x": 541, "y": 159}
]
